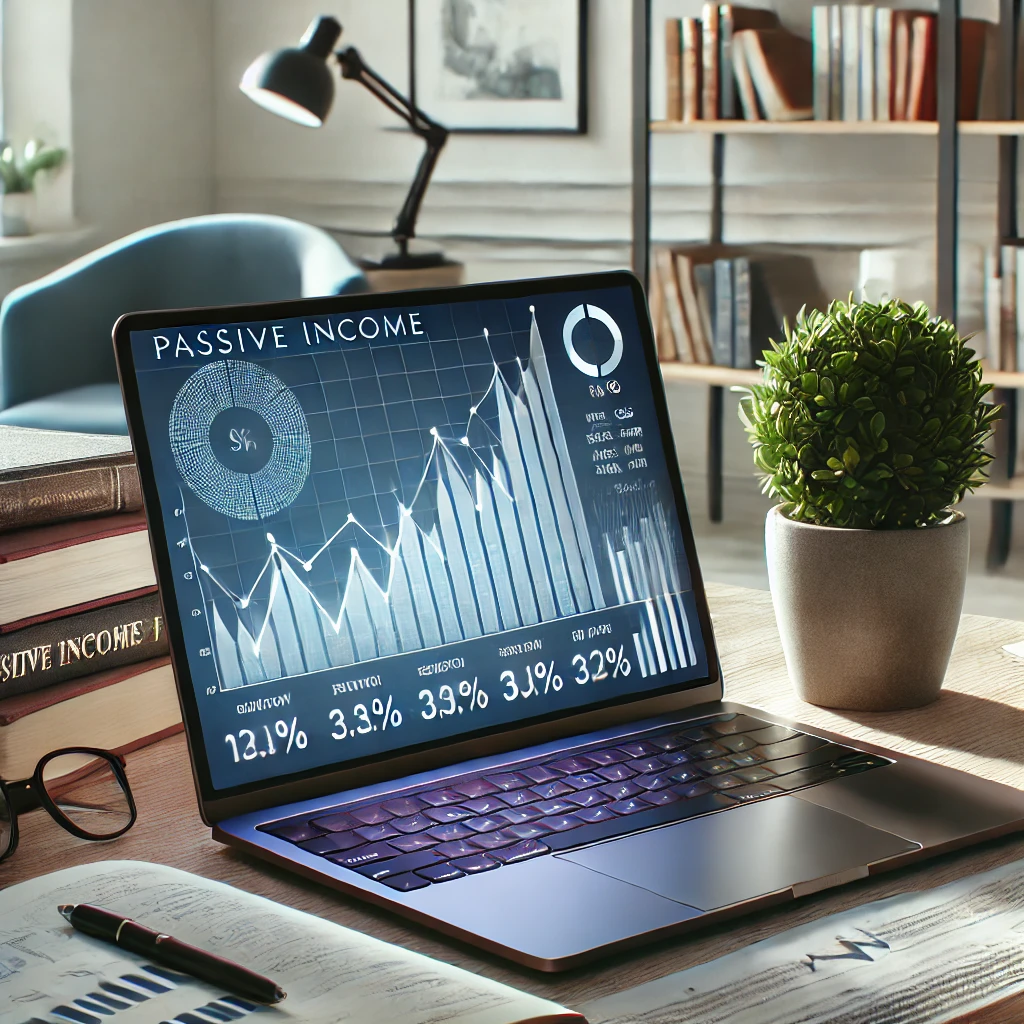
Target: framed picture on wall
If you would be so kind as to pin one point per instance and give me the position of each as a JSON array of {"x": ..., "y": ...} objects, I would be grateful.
[{"x": 500, "y": 65}]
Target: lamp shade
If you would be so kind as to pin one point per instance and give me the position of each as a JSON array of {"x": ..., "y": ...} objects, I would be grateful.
[{"x": 296, "y": 82}]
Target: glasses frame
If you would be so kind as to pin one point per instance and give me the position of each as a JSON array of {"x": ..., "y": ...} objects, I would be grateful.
[{"x": 30, "y": 794}]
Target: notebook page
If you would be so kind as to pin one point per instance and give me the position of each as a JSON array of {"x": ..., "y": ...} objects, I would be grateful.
[{"x": 50, "y": 973}]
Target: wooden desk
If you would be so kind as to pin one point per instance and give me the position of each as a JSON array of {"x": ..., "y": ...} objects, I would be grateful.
[{"x": 977, "y": 725}]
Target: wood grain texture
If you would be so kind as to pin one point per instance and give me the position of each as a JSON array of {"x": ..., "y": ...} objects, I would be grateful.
[{"x": 977, "y": 725}]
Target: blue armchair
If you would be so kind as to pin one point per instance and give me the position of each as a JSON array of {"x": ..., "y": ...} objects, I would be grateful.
[{"x": 56, "y": 357}]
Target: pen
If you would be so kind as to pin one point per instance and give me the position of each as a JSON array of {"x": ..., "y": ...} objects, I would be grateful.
[{"x": 215, "y": 970}]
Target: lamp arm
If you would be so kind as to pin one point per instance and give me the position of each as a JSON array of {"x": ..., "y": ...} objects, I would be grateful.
[{"x": 435, "y": 135}]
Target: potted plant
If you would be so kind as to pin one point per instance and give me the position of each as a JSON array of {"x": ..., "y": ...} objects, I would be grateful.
[
  {"x": 18, "y": 181},
  {"x": 870, "y": 424}
]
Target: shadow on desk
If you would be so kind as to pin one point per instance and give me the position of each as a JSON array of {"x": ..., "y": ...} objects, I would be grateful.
[{"x": 986, "y": 727}]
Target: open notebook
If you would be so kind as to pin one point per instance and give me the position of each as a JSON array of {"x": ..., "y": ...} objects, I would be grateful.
[{"x": 50, "y": 973}]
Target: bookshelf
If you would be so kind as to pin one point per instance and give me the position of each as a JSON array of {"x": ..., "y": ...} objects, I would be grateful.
[{"x": 1005, "y": 487}]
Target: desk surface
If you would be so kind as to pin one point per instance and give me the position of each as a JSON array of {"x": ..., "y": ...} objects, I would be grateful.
[{"x": 977, "y": 725}]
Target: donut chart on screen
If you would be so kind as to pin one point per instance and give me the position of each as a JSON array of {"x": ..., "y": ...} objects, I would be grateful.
[{"x": 240, "y": 439}]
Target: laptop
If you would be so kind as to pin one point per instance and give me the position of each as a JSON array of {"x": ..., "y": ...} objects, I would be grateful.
[{"x": 440, "y": 635}]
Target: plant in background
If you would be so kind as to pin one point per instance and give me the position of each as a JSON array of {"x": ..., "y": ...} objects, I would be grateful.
[
  {"x": 870, "y": 416},
  {"x": 20, "y": 176}
]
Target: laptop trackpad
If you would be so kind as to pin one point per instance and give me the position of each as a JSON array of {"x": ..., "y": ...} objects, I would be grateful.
[{"x": 743, "y": 853}]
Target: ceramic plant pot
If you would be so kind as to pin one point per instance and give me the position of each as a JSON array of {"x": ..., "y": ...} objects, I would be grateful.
[
  {"x": 16, "y": 211},
  {"x": 867, "y": 617}
]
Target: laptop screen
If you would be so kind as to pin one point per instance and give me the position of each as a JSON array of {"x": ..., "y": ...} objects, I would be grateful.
[{"x": 392, "y": 528}]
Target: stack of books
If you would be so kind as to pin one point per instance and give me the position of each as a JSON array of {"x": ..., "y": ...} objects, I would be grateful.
[
  {"x": 879, "y": 63},
  {"x": 716, "y": 305},
  {"x": 83, "y": 648}
]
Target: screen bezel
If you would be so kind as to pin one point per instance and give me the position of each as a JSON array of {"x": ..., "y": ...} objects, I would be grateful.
[{"x": 217, "y": 804}]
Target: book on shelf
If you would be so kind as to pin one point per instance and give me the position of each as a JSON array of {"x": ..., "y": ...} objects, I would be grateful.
[
  {"x": 866, "y": 79},
  {"x": 709, "y": 73},
  {"x": 47, "y": 568},
  {"x": 674, "y": 69},
  {"x": 330, "y": 972},
  {"x": 849, "y": 28},
  {"x": 59, "y": 649},
  {"x": 692, "y": 68},
  {"x": 700, "y": 336},
  {"x": 883, "y": 64},
  {"x": 118, "y": 709},
  {"x": 722, "y": 317},
  {"x": 779, "y": 67},
  {"x": 47, "y": 476}
]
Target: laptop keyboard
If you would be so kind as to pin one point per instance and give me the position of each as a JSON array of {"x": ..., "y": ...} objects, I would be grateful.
[{"x": 478, "y": 823}]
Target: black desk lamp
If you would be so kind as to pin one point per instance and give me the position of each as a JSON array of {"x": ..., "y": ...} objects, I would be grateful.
[{"x": 296, "y": 83}]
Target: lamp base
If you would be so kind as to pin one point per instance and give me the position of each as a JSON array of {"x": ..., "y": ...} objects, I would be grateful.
[{"x": 398, "y": 272}]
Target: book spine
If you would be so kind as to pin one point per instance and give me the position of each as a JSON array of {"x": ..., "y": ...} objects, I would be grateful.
[
  {"x": 850, "y": 22},
  {"x": 867, "y": 62},
  {"x": 1008, "y": 308},
  {"x": 693, "y": 58},
  {"x": 820, "y": 58},
  {"x": 61, "y": 649},
  {"x": 54, "y": 495},
  {"x": 993, "y": 302},
  {"x": 709, "y": 33},
  {"x": 883, "y": 64},
  {"x": 673, "y": 70},
  {"x": 723, "y": 313},
  {"x": 835, "y": 37},
  {"x": 665, "y": 262},
  {"x": 744, "y": 83},
  {"x": 726, "y": 82},
  {"x": 742, "y": 350}
]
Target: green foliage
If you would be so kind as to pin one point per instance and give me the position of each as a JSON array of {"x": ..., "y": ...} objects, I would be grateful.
[
  {"x": 869, "y": 416},
  {"x": 20, "y": 177}
]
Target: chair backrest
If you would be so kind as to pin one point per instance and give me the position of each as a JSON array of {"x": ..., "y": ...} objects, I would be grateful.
[{"x": 55, "y": 332}]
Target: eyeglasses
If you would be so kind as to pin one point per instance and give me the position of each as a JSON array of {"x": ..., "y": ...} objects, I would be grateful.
[{"x": 84, "y": 790}]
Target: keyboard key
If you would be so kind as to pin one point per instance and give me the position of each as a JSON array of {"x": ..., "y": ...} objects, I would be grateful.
[
  {"x": 406, "y": 883},
  {"x": 448, "y": 813},
  {"x": 706, "y": 751},
  {"x": 399, "y": 865},
  {"x": 690, "y": 790},
  {"x": 440, "y": 873},
  {"x": 772, "y": 734},
  {"x": 572, "y": 765},
  {"x": 671, "y": 757},
  {"x": 643, "y": 765},
  {"x": 724, "y": 782},
  {"x": 661, "y": 796},
  {"x": 746, "y": 759},
  {"x": 363, "y": 855},
  {"x": 448, "y": 833},
  {"x": 630, "y": 806},
  {"x": 457, "y": 849},
  {"x": 375, "y": 833},
  {"x": 372, "y": 815},
  {"x": 695, "y": 734},
  {"x": 484, "y": 805},
  {"x": 607, "y": 756},
  {"x": 521, "y": 851},
  {"x": 554, "y": 806},
  {"x": 492, "y": 840},
  {"x": 518, "y": 797},
  {"x": 672, "y": 741},
  {"x": 515, "y": 815},
  {"x": 414, "y": 823},
  {"x": 441, "y": 797},
  {"x": 718, "y": 766},
  {"x": 403, "y": 806},
  {"x": 508, "y": 780},
  {"x": 825, "y": 754},
  {"x": 560, "y": 822},
  {"x": 616, "y": 772},
  {"x": 736, "y": 723},
  {"x": 594, "y": 814},
  {"x": 475, "y": 787},
  {"x": 297, "y": 832},
  {"x": 758, "y": 774},
  {"x": 528, "y": 830},
  {"x": 339, "y": 822},
  {"x": 588, "y": 798},
  {"x": 808, "y": 777},
  {"x": 474, "y": 865},
  {"x": 333, "y": 842},
  {"x": 585, "y": 781},
  {"x": 541, "y": 773},
  {"x": 738, "y": 743},
  {"x": 654, "y": 781},
  {"x": 486, "y": 823},
  {"x": 409, "y": 844},
  {"x": 756, "y": 792},
  {"x": 684, "y": 775},
  {"x": 548, "y": 790},
  {"x": 621, "y": 790},
  {"x": 638, "y": 748},
  {"x": 799, "y": 744}
]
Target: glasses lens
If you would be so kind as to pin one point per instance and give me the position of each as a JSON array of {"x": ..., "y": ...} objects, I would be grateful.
[
  {"x": 5, "y": 824},
  {"x": 86, "y": 791}
]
